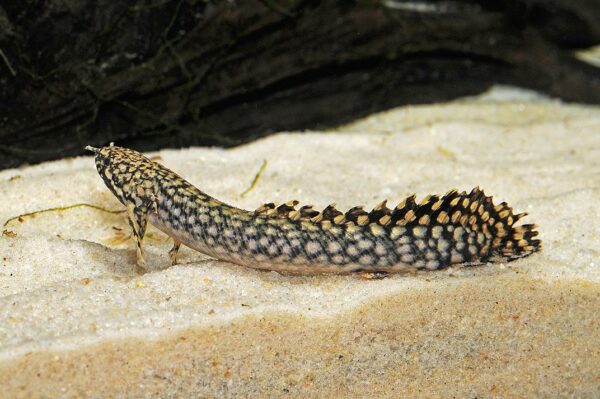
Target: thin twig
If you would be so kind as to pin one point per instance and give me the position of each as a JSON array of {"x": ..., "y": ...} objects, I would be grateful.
[
  {"x": 256, "y": 178},
  {"x": 7, "y": 62},
  {"x": 273, "y": 5},
  {"x": 62, "y": 208}
]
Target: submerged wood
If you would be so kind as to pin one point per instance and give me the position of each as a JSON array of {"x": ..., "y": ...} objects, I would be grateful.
[{"x": 177, "y": 73}]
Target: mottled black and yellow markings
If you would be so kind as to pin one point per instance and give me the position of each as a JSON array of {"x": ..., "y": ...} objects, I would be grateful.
[{"x": 457, "y": 228}]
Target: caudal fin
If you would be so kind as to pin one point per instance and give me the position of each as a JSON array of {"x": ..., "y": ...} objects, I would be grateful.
[{"x": 475, "y": 212}]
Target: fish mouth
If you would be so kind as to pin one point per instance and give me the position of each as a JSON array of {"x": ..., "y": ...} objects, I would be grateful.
[{"x": 92, "y": 149}]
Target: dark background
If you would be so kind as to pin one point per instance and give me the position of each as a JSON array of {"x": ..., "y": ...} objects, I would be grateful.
[{"x": 160, "y": 73}]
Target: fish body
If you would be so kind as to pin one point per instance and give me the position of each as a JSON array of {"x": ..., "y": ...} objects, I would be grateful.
[{"x": 440, "y": 231}]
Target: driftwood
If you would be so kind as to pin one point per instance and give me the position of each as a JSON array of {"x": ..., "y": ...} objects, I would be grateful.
[{"x": 160, "y": 73}]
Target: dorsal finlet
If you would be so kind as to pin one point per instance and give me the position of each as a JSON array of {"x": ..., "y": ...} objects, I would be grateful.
[{"x": 380, "y": 206}]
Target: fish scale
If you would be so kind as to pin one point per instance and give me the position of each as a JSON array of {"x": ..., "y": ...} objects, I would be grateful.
[{"x": 457, "y": 228}]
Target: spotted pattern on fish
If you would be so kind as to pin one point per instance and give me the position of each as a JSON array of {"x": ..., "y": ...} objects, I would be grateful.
[{"x": 457, "y": 228}]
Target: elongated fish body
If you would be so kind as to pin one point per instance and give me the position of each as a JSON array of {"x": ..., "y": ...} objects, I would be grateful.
[{"x": 457, "y": 228}]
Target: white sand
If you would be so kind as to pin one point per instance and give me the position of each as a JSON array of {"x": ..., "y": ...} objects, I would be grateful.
[{"x": 75, "y": 320}]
